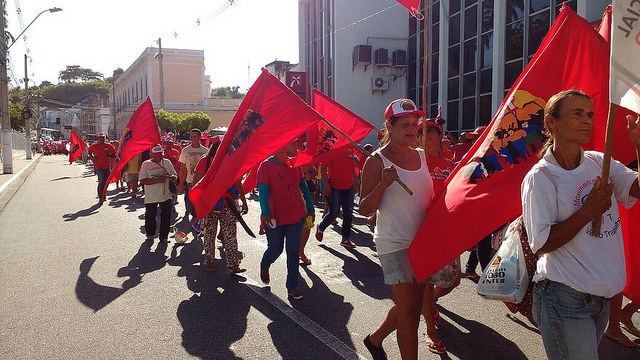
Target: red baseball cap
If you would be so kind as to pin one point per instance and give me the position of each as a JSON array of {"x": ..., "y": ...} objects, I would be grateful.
[
  {"x": 431, "y": 123},
  {"x": 401, "y": 107}
]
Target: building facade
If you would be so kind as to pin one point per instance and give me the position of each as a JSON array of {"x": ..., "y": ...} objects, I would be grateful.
[
  {"x": 476, "y": 50},
  {"x": 186, "y": 88},
  {"x": 355, "y": 52}
]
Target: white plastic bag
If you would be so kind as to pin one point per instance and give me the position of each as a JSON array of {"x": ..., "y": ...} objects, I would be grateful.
[{"x": 506, "y": 277}]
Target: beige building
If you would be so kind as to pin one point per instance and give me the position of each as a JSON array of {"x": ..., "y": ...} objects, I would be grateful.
[{"x": 186, "y": 88}]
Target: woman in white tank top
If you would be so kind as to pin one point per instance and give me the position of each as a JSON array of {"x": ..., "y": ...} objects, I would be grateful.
[{"x": 399, "y": 217}]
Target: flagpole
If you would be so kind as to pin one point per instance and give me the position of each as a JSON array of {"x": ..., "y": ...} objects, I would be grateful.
[
  {"x": 606, "y": 164},
  {"x": 425, "y": 69},
  {"x": 362, "y": 150}
]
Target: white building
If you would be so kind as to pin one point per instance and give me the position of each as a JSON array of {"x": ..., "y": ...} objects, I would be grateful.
[{"x": 355, "y": 52}]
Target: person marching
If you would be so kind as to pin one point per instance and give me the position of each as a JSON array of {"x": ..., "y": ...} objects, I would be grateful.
[
  {"x": 221, "y": 212},
  {"x": 283, "y": 213},
  {"x": 577, "y": 272},
  {"x": 100, "y": 153},
  {"x": 399, "y": 216},
  {"x": 155, "y": 175},
  {"x": 189, "y": 158}
]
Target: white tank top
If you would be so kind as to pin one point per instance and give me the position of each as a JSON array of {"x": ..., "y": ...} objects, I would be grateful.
[{"x": 400, "y": 214}]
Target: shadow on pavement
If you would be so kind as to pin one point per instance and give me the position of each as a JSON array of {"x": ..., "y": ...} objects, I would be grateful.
[
  {"x": 479, "y": 342},
  {"x": 96, "y": 296},
  {"x": 91, "y": 294},
  {"x": 82, "y": 213}
]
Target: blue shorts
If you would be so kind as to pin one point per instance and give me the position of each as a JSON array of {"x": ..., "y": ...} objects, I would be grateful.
[{"x": 397, "y": 268}]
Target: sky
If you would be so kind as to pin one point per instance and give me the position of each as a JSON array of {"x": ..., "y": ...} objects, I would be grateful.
[{"x": 105, "y": 35}]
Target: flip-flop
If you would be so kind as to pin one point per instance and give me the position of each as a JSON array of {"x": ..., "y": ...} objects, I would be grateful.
[
  {"x": 305, "y": 260},
  {"x": 237, "y": 270},
  {"x": 623, "y": 341},
  {"x": 631, "y": 330},
  {"x": 435, "y": 347}
]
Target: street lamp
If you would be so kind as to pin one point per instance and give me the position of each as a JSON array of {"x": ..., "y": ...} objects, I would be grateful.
[{"x": 7, "y": 156}]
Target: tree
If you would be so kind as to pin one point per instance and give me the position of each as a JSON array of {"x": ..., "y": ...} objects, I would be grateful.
[
  {"x": 116, "y": 74},
  {"x": 181, "y": 123},
  {"x": 15, "y": 114},
  {"x": 197, "y": 120},
  {"x": 45, "y": 83},
  {"x": 73, "y": 73},
  {"x": 228, "y": 92}
]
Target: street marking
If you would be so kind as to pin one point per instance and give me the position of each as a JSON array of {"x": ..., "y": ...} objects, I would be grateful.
[
  {"x": 342, "y": 349},
  {"x": 4, "y": 186}
]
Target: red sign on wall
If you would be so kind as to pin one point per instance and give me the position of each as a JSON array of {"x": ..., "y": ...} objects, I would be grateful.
[{"x": 297, "y": 81}]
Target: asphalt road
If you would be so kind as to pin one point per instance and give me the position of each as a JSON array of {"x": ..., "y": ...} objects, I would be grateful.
[{"x": 78, "y": 282}]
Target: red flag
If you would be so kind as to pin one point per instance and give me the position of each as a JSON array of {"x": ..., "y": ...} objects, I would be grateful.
[
  {"x": 251, "y": 181},
  {"x": 270, "y": 116},
  {"x": 412, "y": 6},
  {"x": 485, "y": 187},
  {"x": 140, "y": 134},
  {"x": 76, "y": 148},
  {"x": 322, "y": 141},
  {"x": 206, "y": 139}
]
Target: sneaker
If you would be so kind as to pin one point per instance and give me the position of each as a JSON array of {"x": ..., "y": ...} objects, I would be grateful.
[
  {"x": 319, "y": 234},
  {"x": 348, "y": 243},
  {"x": 377, "y": 353},
  {"x": 150, "y": 238},
  {"x": 295, "y": 294}
]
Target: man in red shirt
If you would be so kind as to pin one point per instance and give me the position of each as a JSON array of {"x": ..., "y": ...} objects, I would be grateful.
[
  {"x": 99, "y": 153},
  {"x": 339, "y": 191}
]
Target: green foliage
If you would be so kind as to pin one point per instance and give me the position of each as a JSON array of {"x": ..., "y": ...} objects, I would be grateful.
[
  {"x": 116, "y": 74},
  {"x": 180, "y": 123},
  {"x": 72, "y": 93},
  {"x": 75, "y": 73},
  {"x": 229, "y": 92},
  {"x": 15, "y": 113}
]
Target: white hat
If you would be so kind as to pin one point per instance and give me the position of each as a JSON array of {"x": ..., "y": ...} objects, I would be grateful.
[{"x": 156, "y": 149}]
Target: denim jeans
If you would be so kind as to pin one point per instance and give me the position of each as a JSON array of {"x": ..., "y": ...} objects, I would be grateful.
[
  {"x": 165, "y": 218},
  {"x": 103, "y": 174},
  {"x": 344, "y": 199},
  {"x": 275, "y": 244},
  {"x": 571, "y": 322},
  {"x": 187, "y": 203}
]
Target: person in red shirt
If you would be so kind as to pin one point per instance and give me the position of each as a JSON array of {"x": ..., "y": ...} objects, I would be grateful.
[
  {"x": 339, "y": 191},
  {"x": 461, "y": 148},
  {"x": 283, "y": 213},
  {"x": 100, "y": 153}
]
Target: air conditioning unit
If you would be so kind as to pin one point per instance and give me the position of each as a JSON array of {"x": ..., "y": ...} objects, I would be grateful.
[
  {"x": 361, "y": 55},
  {"x": 381, "y": 56},
  {"x": 380, "y": 83},
  {"x": 399, "y": 58}
]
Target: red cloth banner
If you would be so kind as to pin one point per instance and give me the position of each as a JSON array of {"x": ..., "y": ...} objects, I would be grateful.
[
  {"x": 411, "y": 5},
  {"x": 483, "y": 192},
  {"x": 322, "y": 141},
  {"x": 77, "y": 146},
  {"x": 251, "y": 181},
  {"x": 140, "y": 134},
  {"x": 270, "y": 116}
]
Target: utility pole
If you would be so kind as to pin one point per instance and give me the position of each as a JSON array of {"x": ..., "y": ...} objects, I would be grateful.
[
  {"x": 113, "y": 101},
  {"x": 26, "y": 111},
  {"x": 160, "y": 56},
  {"x": 7, "y": 156}
]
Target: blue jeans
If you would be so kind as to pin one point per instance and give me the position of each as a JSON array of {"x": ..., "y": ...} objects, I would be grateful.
[
  {"x": 571, "y": 322},
  {"x": 103, "y": 174},
  {"x": 344, "y": 199},
  {"x": 275, "y": 244},
  {"x": 187, "y": 203}
]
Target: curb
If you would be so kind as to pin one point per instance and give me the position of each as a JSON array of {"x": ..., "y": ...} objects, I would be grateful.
[{"x": 9, "y": 188}]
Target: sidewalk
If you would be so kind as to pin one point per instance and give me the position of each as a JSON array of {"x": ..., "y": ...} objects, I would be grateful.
[{"x": 9, "y": 183}]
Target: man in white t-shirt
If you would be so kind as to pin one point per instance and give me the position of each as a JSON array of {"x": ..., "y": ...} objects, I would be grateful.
[
  {"x": 188, "y": 160},
  {"x": 155, "y": 175}
]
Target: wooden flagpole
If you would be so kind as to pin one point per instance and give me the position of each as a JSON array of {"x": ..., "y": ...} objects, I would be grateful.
[
  {"x": 362, "y": 150},
  {"x": 606, "y": 164}
]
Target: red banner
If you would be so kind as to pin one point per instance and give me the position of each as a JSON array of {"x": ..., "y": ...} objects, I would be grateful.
[
  {"x": 483, "y": 192},
  {"x": 77, "y": 146},
  {"x": 323, "y": 141},
  {"x": 140, "y": 134},
  {"x": 411, "y": 5},
  {"x": 270, "y": 116}
]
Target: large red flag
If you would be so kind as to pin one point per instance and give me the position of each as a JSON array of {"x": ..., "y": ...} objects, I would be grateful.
[
  {"x": 270, "y": 116},
  {"x": 322, "y": 141},
  {"x": 411, "y": 5},
  {"x": 483, "y": 192},
  {"x": 140, "y": 134},
  {"x": 76, "y": 147}
]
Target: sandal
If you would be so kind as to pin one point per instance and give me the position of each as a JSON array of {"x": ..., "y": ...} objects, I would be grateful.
[
  {"x": 236, "y": 270},
  {"x": 435, "y": 347},
  {"x": 305, "y": 260}
]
